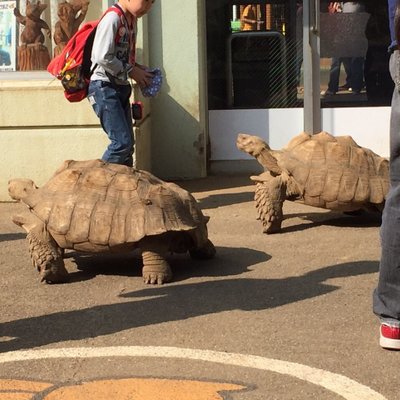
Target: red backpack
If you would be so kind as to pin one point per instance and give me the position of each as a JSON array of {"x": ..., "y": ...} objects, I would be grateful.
[{"x": 72, "y": 66}]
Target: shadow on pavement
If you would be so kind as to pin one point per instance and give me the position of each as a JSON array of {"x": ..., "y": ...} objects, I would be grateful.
[
  {"x": 8, "y": 237},
  {"x": 228, "y": 261},
  {"x": 175, "y": 302},
  {"x": 364, "y": 220},
  {"x": 216, "y": 183},
  {"x": 227, "y": 199}
]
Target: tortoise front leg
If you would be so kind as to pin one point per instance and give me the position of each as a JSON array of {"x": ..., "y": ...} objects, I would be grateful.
[
  {"x": 46, "y": 255},
  {"x": 47, "y": 259},
  {"x": 156, "y": 269},
  {"x": 269, "y": 196}
]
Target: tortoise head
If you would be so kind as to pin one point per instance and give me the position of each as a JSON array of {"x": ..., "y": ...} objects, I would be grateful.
[
  {"x": 257, "y": 148},
  {"x": 19, "y": 189},
  {"x": 252, "y": 145}
]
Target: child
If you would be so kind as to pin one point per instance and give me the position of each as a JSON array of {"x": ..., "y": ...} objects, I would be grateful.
[{"x": 113, "y": 63}]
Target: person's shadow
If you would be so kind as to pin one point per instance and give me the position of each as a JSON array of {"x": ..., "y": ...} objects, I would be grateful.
[{"x": 175, "y": 302}]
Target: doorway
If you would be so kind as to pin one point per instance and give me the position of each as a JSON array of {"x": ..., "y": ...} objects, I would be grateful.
[{"x": 255, "y": 73}]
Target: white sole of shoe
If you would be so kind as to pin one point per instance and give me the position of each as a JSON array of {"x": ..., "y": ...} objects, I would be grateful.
[{"x": 392, "y": 344}]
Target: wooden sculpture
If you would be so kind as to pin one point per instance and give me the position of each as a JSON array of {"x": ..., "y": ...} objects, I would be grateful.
[
  {"x": 71, "y": 14},
  {"x": 32, "y": 53}
]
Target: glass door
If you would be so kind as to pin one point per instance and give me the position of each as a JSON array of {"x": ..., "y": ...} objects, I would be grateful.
[
  {"x": 253, "y": 52},
  {"x": 354, "y": 56},
  {"x": 260, "y": 54}
]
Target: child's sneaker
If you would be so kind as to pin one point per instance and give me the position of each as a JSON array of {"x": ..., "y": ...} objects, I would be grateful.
[{"x": 390, "y": 336}]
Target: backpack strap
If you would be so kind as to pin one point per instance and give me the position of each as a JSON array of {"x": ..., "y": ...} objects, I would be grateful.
[{"x": 116, "y": 5}]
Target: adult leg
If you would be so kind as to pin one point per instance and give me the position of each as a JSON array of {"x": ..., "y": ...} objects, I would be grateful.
[
  {"x": 357, "y": 74},
  {"x": 386, "y": 302},
  {"x": 347, "y": 69},
  {"x": 334, "y": 73}
]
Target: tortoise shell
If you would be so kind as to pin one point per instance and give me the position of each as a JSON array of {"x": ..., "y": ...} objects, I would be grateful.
[
  {"x": 96, "y": 206},
  {"x": 332, "y": 171}
]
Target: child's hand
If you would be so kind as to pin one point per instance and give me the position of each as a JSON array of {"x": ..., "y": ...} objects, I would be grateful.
[{"x": 141, "y": 76}]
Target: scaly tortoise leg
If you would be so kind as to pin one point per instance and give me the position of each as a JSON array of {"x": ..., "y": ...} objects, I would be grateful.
[
  {"x": 156, "y": 269},
  {"x": 46, "y": 255},
  {"x": 269, "y": 196}
]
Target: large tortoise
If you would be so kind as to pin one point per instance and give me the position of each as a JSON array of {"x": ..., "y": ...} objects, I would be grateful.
[
  {"x": 319, "y": 170},
  {"x": 92, "y": 206}
]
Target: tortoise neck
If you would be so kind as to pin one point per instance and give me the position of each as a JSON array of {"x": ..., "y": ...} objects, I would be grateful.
[{"x": 268, "y": 161}]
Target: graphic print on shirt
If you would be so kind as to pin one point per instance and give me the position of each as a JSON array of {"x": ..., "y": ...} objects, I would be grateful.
[{"x": 125, "y": 43}]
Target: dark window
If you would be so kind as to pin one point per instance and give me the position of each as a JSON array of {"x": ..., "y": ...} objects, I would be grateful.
[{"x": 254, "y": 54}]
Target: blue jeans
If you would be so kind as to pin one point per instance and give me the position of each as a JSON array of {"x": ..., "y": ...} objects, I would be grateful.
[
  {"x": 111, "y": 104},
  {"x": 386, "y": 299}
]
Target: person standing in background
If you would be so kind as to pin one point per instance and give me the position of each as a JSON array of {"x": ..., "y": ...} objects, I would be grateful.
[
  {"x": 386, "y": 296},
  {"x": 336, "y": 63},
  {"x": 353, "y": 66}
]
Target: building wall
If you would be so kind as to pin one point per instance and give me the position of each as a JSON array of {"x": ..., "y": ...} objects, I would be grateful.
[
  {"x": 369, "y": 127},
  {"x": 39, "y": 129},
  {"x": 179, "y": 113}
]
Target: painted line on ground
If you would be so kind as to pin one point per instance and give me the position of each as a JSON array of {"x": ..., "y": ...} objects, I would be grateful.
[{"x": 339, "y": 384}]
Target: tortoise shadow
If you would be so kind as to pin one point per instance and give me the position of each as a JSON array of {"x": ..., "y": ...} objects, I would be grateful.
[
  {"x": 176, "y": 302},
  {"x": 243, "y": 185},
  {"x": 334, "y": 219},
  {"x": 221, "y": 200},
  {"x": 216, "y": 182},
  {"x": 228, "y": 261}
]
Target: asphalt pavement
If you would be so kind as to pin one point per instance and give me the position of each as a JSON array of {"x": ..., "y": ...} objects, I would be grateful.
[{"x": 282, "y": 316}]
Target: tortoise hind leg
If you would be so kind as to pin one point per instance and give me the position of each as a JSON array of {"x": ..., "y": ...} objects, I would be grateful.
[
  {"x": 269, "y": 197},
  {"x": 156, "y": 269}
]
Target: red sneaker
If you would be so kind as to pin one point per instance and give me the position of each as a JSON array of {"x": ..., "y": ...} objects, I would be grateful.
[{"x": 390, "y": 336}]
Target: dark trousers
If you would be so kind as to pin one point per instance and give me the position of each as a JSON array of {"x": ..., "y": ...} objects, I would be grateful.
[
  {"x": 386, "y": 299},
  {"x": 354, "y": 68}
]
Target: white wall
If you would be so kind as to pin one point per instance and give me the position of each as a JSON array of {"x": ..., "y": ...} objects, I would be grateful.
[{"x": 369, "y": 127}]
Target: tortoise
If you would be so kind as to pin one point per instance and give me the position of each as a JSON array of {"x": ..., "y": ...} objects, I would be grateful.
[
  {"x": 319, "y": 170},
  {"x": 97, "y": 207}
]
